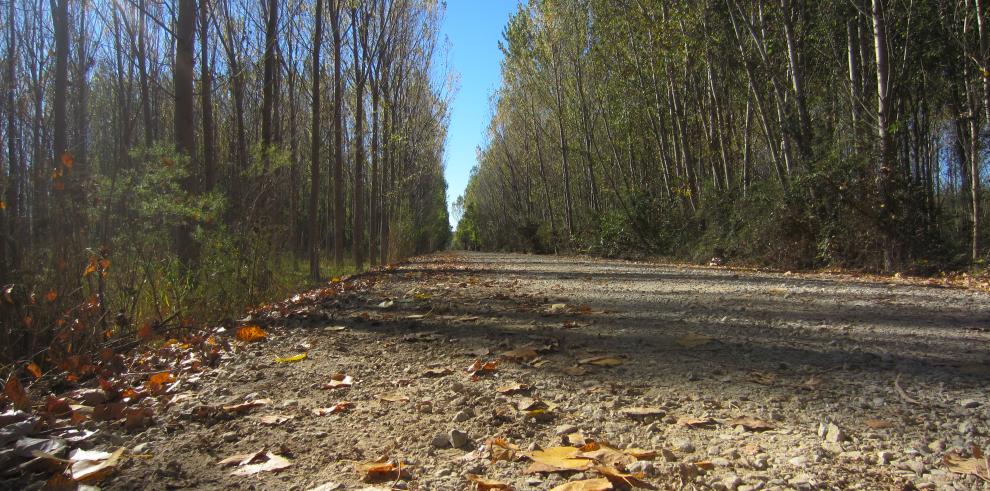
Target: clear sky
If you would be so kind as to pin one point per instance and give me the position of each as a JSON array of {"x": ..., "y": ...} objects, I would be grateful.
[{"x": 473, "y": 28}]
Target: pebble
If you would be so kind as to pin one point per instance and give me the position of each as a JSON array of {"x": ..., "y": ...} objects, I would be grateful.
[
  {"x": 565, "y": 430},
  {"x": 732, "y": 482},
  {"x": 834, "y": 434},
  {"x": 441, "y": 441},
  {"x": 230, "y": 436},
  {"x": 458, "y": 438},
  {"x": 799, "y": 461},
  {"x": 463, "y": 416},
  {"x": 969, "y": 403},
  {"x": 883, "y": 457},
  {"x": 685, "y": 446},
  {"x": 644, "y": 466}
]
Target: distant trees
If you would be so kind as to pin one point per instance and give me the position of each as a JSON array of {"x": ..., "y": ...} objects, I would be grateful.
[
  {"x": 790, "y": 132},
  {"x": 153, "y": 151}
]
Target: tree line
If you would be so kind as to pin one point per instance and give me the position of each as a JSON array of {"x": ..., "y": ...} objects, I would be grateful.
[
  {"x": 789, "y": 132},
  {"x": 168, "y": 158}
]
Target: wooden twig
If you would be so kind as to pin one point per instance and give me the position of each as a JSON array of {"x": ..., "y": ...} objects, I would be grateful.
[{"x": 900, "y": 391}]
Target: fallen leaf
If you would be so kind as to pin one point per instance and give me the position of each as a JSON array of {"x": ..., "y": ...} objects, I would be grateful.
[
  {"x": 339, "y": 381},
  {"x": 246, "y": 406},
  {"x": 513, "y": 388},
  {"x": 251, "y": 334},
  {"x": 393, "y": 397},
  {"x": 274, "y": 419},
  {"x": 623, "y": 479},
  {"x": 479, "y": 367},
  {"x": 601, "y": 361},
  {"x": 609, "y": 456},
  {"x": 51, "y": 296},
  {"x": 386, "y": 304},
  {"x": 482, "y": 484},
  {"x": 136, "y": 418},
  {"x": 335, "y": 328},
  {"x": 975, "y": 465},
  {"x": 383, "y": 471},
  {"x": 437, "y": 372},
  {"x": 253, "y": 463},
  {"x": 16, "y": 393},
  {"x": 575, "y": 371},
  {"x": 694, "y": 340},
  {"x": 292, "y": 359},
  {"x": 556, "y": 459},
  {"x": 750, "y": 424},
  {"x": 33, "y": 369},
  {"x": 338, "y": 408},
  {"x": 643, "y": 412},
  {"x": 93, "y": 465},
  {"x": 598, "y": 484},
  {"x": 521, "y": 354},
  {"x": 161, "y": 378},
  {"x": 692, "y": 422},
  {"x": 641, "y": 454},
  {"x": 877, "y": 424}
]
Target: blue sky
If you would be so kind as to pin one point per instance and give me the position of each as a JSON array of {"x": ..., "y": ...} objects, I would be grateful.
[{"x": 473, "y": 28}]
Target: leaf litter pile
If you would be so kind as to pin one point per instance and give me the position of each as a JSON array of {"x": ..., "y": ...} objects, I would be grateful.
[{"x": 492, "y": 372}]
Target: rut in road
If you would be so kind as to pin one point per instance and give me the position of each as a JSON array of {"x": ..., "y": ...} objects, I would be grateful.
[{"x": 731, "y": 379}]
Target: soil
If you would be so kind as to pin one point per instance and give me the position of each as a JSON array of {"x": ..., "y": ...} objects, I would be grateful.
[{"x": 848, "y": 383}]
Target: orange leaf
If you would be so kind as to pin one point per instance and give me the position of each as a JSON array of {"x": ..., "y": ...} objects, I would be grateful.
[
  {"x": 15, "y": 392},
  {"x": 90, "y": 268},
  {"x": 251, "y": 334},
  {"x": 51, "y": 295},
  {"x": 58, "y": 185},
  {"x": 34, "y": 369},
  {"x": 3, "y": 206},
  {"x": 145, "y": 331},
  {"x": 68, "y": 160},
  {"x": 483, "y": 484}
]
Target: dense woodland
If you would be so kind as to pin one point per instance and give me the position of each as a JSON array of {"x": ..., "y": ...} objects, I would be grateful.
[
  {"x": 167, "y": 163},
  {"x": 786, "y": 132}
]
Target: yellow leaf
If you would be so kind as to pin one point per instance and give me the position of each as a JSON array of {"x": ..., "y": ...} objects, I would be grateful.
[
  {"x": 251, "y": 334},
  {"x": 482, "y": 484},
  {"x": 599, "y": 484},
  {"x": 967, "y": 465},
  {"x": 601, "y": 361},
  {"x": 292, "y": 359},
  {"x": 90, "y": 268},
  {"x": 560, "y": 458}
]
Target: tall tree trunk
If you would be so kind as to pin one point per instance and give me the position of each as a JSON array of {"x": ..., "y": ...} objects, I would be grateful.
[
  {"x": 358, "y": 28},
  {"x": 373, "y": 215},
  {"x": 142, "y": 57},
  {"x": 984, "y": 40},
  {"x": 315, "y": 140},
  {"x": 206, "y": 97},
  {"x": 268, "y": 83},
  {"x": 338, "y": 139},
  {"x": 11, "y": 215},
  {"x": 185, "y": 137},
  {"x": 885, "y": 154},
  {"x": 562, "y": 139}
]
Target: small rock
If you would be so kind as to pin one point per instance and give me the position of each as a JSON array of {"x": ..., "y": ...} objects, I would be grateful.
[
  {"x": 883, "y": 457},
  {"x": 441, "y": 441},
  {"x": 565, "y": 430},
  {"x": 462, "y": 416},
  {"x": 668, "y": 456},
  {"x": 799, "y": 461},
  {"x": 732, "y": 482},
  {"x": 458, "y": 439},
  {"x": 685, "y": 446},
  {"x": 140, "y": 448},
  {"x": 969, "y": 403},
  {"x": 457, "y": 387},
  {"x": 834, "y": 434},
  {"x": 230, "y": 436},
  {"x": 937, "y": 446},
  {"x": 721, "y": 462}
]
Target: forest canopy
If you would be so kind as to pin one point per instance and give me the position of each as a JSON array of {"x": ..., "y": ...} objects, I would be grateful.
[{"x": 783, "y": 132}]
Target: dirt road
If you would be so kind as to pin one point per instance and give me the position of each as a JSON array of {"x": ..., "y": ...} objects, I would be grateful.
[{"x": 736, "y": 380}]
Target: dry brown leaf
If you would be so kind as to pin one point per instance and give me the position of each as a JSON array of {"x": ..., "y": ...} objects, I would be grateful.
[
  {"x": 643, "y": 412},
  {"x": 521, "y": 354},
  {"x": 692, "y": 422},
  {"x": 482, "y": 484},
  {"x": 34, "y": 369},
  {"x": 94, "y": 465},
  {"x": 393, "y": 397},
  {"x": 251, "y": 334},
  {"x": 751, "y": 424},
  {"x": 694, "y": 340},
  {"x": 246, "y": 406},
  {"x": 975, "y": 465},
  {"x": 437, "y": 372},
  {"x": 575, "y": 371},
  {"x": 623, "y": 479},
  {"x": 877, "y": 424},
  {"x": 274, "y": 419},
  {"x": 513, "y": 388},
  {"x": 338, "y": 408},
  {"x": 598, "y": 484},
  {"x": 16, "y": 393},
  {"x": 383, "y": 471},
  {"x": 578, "y": 439},
  {"x": 480, "y": 367},
  {"x": 601, "y": 361},
  {"x": 255, "y": 462},
  {"x": 136, "y": 418},
  {"x": 609, "y": 456},
  {"x": 641, "y": 454},
  {"x": 556, "y": 459},
  {"x": 339, "y": 381}
]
